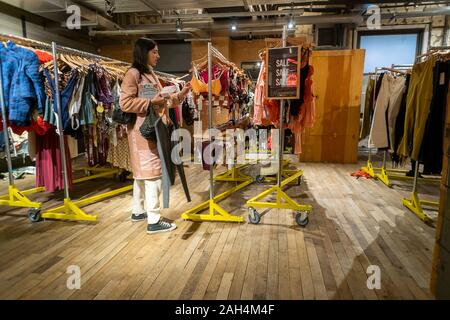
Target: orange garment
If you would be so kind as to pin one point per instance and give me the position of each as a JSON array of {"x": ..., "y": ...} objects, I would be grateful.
[
  {"x": 43, "y": 56},
  {"x": 306, "y": 115},
  {"x": 198, "y": 86}
]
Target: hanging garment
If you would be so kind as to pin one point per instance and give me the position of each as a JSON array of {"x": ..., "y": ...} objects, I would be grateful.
[
  {"x": 27, "y": 86},
  {"x": 296, "y": 104},
  {"x": 389, "y": 96},
  {"x": 65, "y": 93},
  {"x": 368, "y": 109},
  {"x": 10, "y": 65},
  {"x": 307, "y": 112},
  {"x": 418, "y": 103},
  {"x": 395, "y": 100},
  {"x": 433, "y": 140},
  {"x": 48, "y": 162},
  {"x": 103, "y": 92},
  {"x": 119, "y": 155},
  {"x": 400, "y": 123},
  {"x": 258, "y": 105},
  {"x": 72, "y": 126},
  {"x": 87, "y": 112},
  {"x": 43, "y": 56}
]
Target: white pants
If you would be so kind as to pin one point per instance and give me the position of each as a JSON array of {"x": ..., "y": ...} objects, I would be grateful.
[{"x": 148, "y": 192}]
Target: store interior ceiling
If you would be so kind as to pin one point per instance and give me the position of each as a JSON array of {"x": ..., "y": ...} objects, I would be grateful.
[{"x": 104, "y": 21}]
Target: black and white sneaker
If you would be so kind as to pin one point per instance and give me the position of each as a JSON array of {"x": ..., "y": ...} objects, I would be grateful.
[
  {"x": 161, "y": 226},
  {"x": 138, "y": 217}
]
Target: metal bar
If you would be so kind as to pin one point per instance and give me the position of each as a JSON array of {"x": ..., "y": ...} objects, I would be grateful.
[
  {"x": 211, "y": 170},
  {"x": 281, "y": 137},
  {"x": 44, "y": 45},
  {"x": 57, "y": 98},
  {"x": 5, "y": 128},
  {"x": 416, "y": 175}
]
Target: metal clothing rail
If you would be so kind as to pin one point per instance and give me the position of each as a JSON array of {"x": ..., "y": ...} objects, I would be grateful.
[{"x": 48, "y": 46}]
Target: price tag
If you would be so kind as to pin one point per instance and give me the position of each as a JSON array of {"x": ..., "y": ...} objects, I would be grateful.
[{"x": 100, "y": 108}]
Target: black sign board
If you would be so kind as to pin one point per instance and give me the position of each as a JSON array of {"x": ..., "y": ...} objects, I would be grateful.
[{"x": 283, "y": 73}]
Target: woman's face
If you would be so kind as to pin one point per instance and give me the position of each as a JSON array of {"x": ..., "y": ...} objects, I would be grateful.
[{"x": 153, "y": 57}]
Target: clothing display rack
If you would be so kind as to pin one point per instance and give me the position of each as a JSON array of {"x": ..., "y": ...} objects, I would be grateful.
[
  {"x": 414, "y": 203},
  {"x": 216, "y": 212},
  {"x": 283, "y": 201},
  {"x": 71, "y": 211},
  {"x": 383, "y": 173}
]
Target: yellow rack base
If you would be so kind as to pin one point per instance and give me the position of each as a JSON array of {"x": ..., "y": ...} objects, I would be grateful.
[
  {"x": 17, "y": 198},
  {"x": 216, "y": 212},
  {"x": 283, "y": 201},
  {"x": 233, "y": 175},
  {"x": 71, "y": 211},
  {"x": 385, "y": 176},
  {"x": 415, "y": 205}
]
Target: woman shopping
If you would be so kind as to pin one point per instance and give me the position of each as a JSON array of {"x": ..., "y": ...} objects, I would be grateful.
[{"x": 140, "y": 91}]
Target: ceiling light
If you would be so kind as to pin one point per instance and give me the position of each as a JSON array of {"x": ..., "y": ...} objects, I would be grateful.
[
  {"x": 250, "y": 37},
  {"x": 291, "y": 24},
  {"x": 179, "y": 25},
  {"x": 234, "y": 26}
]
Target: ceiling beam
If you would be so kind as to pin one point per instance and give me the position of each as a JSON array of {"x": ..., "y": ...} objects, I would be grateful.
[
  {"x": 150, "y": 5},
  {"x": 234, "y": 14}
]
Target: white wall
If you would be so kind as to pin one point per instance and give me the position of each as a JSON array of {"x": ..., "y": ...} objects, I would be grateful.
[{"x": 12, "y": 25}]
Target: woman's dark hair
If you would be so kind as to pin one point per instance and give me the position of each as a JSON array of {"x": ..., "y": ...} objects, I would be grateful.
[{"x": 140, "y": 55}]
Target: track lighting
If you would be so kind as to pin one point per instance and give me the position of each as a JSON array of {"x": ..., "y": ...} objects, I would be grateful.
[
  {"x": 179, "y": 25},
  {"x": 234, "y": 26}
]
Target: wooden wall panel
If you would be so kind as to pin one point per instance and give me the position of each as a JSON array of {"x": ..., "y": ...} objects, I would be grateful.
[{"x": 338, "y": 76}]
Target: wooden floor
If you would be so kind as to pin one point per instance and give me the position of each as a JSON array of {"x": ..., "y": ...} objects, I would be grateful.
[{"x": 355, "y": 224}]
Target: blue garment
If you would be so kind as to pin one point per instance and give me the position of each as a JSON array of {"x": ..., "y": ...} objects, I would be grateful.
[
  {"x": 27, "y": 86},
  {"x": 87, "y": 105},
  {"x": 9, "y": 67},
  {"x": 66, "y": 94}
]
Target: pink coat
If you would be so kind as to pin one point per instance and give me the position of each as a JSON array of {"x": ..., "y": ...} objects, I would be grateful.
[{"x": 144, "y": 156}]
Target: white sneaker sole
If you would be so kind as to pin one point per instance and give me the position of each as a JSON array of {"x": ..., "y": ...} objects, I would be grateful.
[{"x": 162, "y": 230}]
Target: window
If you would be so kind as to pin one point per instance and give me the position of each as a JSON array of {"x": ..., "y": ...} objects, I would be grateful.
[{"x": 384, "y": 50}]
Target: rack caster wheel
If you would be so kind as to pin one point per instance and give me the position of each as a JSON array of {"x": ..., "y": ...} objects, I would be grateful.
[
  {"x": 302, "y": 218},
  {"x": 34, "y": 215},
  {"x": 253, "y": 216},
  {"x": 260, "y": 179}
]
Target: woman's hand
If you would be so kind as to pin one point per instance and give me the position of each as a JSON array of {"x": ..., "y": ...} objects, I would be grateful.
[
  {"x": 158, "y": 100},
  {"x": 187, "y": 87}
]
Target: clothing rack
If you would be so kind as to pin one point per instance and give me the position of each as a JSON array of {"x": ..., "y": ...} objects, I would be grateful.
[
  {"x": 215, "y": 211},
  {"x": 283, "y": 201},
  {"x": 16, "y": 198}
]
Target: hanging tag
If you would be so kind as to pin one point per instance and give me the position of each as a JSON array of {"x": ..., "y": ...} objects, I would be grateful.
[
  {"x": 100, "y": 108},
  {"x": 442, "y": 79}
]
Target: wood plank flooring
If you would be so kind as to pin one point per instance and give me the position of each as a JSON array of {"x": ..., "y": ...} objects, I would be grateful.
[{"x": 355, "y": 223}]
